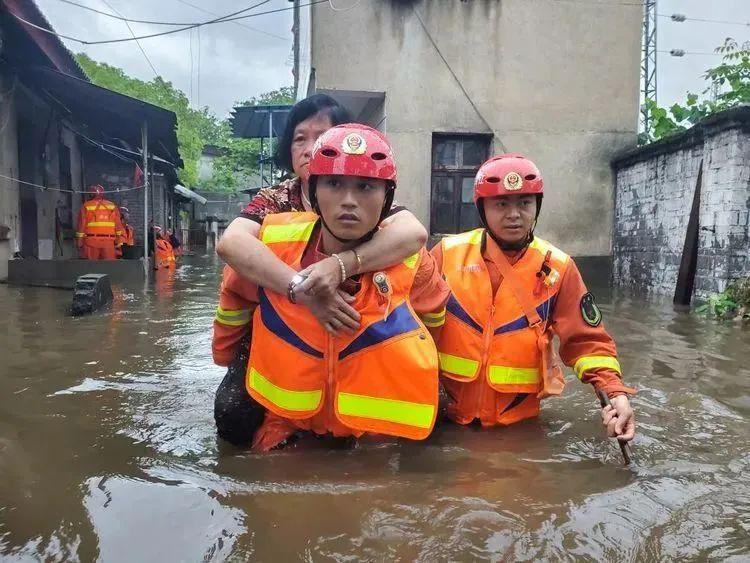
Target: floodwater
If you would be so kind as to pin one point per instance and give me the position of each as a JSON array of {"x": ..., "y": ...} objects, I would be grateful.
[{"x": 108, "y": 451}]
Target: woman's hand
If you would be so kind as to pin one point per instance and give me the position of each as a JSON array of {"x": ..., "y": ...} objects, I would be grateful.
[
  {"x": 619, "y": 419},
  {"x": 333, "y": 311},
  {"x": 323, "y": 278}
]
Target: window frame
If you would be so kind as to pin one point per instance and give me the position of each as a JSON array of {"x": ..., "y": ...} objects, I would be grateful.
[{"x": 456, "y": 174}]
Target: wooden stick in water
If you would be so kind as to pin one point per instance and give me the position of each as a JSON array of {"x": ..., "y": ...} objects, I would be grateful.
[{"x": 624, "y": 447}]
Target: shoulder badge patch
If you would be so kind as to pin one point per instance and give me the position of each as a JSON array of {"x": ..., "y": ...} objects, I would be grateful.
[{"x": 590, "y": 311}]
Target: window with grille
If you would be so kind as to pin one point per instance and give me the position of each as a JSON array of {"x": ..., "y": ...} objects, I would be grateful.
[{"x": 455, "y": 161}]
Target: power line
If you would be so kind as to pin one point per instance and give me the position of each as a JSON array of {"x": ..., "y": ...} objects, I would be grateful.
[
  {"x": 223, "y": 19},
  {"x": 458, "y": 81},
  {"x": 119, "y": 16},
  {"x": 681, "y": 53},
  {"x": 227, "y": 18},
  {"x": 156, "y": 74},
  {"x": 47, "y": 188},
  {"x": 198, "y": 75},
  {"x": 679, "y": 18},
  {"x": 190, "y": 40},
  {"x": 255, "y": 29}
]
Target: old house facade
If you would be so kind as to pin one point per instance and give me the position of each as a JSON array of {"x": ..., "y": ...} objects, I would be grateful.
[{"x": 452, "y": 82}]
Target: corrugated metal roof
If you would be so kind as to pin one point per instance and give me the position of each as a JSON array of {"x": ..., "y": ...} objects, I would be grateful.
[
  {"x": 252, "y": 122},
  {"x": 116, "y": 116},
  {"x": 53, "y": 48},
  {"x": 190, "y": 194}
]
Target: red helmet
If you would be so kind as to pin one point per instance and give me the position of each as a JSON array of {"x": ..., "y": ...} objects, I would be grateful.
[
  {"x": 507, "y": 174},
  {"x": 353, "y": 149},
  {"x": 97, "y": 190}
]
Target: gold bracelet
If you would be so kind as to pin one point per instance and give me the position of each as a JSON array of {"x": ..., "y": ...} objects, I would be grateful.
[
  {"x": 359, "y": 261},
  {"x": 341, "y": 264}
]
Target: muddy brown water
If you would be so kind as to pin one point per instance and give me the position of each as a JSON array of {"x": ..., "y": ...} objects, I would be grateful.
[{"x": 108, "y": 451}]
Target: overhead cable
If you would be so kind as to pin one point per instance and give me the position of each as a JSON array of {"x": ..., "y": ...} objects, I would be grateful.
[
  {"x": 119, "y": 16},
  {"x": 132, "y": 33},
  {"x": 679, "y": 18},
  {"x": 223, "y": 19},
  {"x": 251, "y": 28},
  {"x": 48, "y": 188}
]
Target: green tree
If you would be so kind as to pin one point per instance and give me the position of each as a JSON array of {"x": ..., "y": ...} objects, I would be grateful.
[
  {"x": 282, "y": 96},
  {"x": 729, "y": 86},
  {"x": 238, "y": 163},
  {"x": 195, "y": 127}
]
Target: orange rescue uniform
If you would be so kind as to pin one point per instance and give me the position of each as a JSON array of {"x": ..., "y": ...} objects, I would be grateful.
[
  {"x": 128, "y": 239},
  {"x": 289, "y": 344},
  {"x": 163, "y": 254},
  {"x": 99, "y": 229},
  {"x": 496, "y": 355}
]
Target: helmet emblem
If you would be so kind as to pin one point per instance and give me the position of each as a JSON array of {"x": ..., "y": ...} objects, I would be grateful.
[
  {"x": 354, "y": 144},
  {"x": 513, "y": 181}
]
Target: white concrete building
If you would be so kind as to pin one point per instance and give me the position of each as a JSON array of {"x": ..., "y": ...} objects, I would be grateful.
[{"x": 452, "y": 82}]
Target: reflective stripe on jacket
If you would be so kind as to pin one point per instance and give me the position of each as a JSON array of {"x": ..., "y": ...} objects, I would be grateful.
[{"x": 382, "y": 379}]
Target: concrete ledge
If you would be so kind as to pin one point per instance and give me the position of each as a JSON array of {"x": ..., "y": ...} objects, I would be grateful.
[{"x": 64, "y": 273}]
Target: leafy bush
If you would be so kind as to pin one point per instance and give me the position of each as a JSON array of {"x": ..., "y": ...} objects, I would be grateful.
[{"x": 733, "y": 302}]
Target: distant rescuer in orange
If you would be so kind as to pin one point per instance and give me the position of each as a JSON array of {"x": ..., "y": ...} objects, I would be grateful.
[
  {"x": 377, "y": 376},
  {"x": 125, "y": 250},
  {"x": 99, "y": 230},
  {"x": 164, "y": 257},
  {"x": 510, "y": 293}
]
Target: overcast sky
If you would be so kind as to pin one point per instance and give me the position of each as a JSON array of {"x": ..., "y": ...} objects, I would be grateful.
[
  {"x": 237, "y": 62},
  {"x": 679, "y": 75}
]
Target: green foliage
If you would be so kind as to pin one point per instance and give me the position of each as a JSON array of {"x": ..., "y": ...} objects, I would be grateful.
[
  {"x": 194, "y": 126},
  {"x": 718, "y": 305},
  {"x": 729, "y": 86},
  {"x": 734, "y": 302},
  {"x": 282, "y": 96}
]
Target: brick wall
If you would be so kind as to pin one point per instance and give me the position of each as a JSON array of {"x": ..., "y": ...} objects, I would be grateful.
[{"x": 654, "y": 196}]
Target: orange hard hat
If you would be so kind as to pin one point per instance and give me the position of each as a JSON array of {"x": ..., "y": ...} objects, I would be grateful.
[
  {"x": 507, "y": 174},
  {"x": 353, "y": 149}
]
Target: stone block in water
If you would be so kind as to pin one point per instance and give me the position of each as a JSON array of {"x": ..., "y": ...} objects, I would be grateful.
[{"x": 91, "y": 292}]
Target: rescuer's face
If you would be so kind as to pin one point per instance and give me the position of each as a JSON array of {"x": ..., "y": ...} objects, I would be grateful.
[
  {"x": 350, "y": 205},
  {"x": 510, "y": 217}
]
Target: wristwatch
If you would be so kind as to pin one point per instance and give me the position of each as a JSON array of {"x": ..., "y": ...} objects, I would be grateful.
[{"x": 295, "y": 281}]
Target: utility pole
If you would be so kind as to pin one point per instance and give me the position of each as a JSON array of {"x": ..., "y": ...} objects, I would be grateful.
[
  {"x": 144, "y": 146},
  {"x": 295, "y": 47},
  {"x": 648, "y": 63}
]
